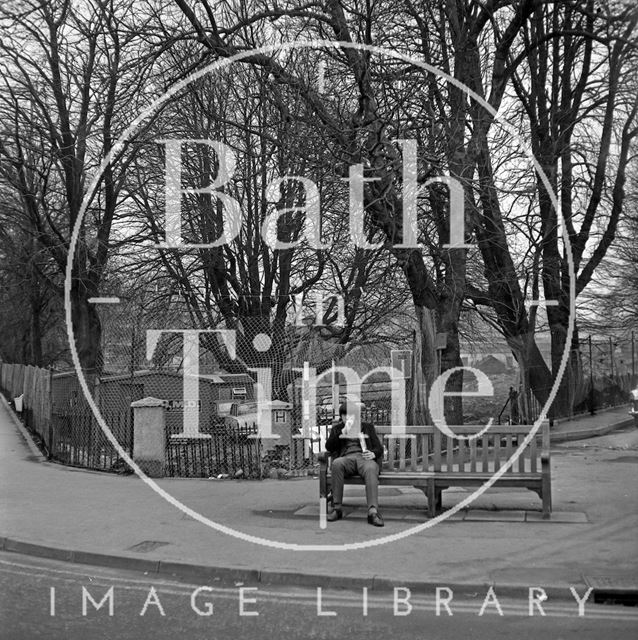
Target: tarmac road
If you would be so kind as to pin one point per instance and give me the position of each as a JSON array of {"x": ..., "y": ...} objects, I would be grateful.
[{"x": 26, "y": 585}]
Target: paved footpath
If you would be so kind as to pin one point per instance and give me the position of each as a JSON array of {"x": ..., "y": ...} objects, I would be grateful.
[{"x": 97, "y": 518}]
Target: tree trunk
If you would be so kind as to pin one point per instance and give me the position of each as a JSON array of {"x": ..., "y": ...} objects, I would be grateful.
[
  {"x": 451, "y": 358},
  {"x": 35, "y": 338},
  {"x": 572, "y": 378},
  {"x": 535, "y": 375},
  {"x": 425, "y": 365},
  {"x": 88, "y": 332}
]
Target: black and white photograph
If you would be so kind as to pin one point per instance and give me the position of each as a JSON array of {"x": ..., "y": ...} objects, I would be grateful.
[{"x": 318, "y": 319}]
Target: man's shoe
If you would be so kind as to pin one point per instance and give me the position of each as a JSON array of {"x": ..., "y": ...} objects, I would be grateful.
[
  {"x": 334, "y": 515},
  {"x": 375, "y": 519}
]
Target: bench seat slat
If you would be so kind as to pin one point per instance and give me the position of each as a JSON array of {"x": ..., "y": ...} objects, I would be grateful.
[
  {"x": 387, "y": 478},
  {"x": 437, "y": 450},
  {"x": 452, "y": 479},
  {"x": 425, "y": 451},
  {"x": 473, "y": 455},
  {"x": 465, "y": 429},
  {"x": 508, "y": 451},
  {"x": 521, "y": 458},
  {"x": 456, "y": 477},
  {"x": 401, "y": 454},
  {"x": 485, "y": 448},
  {"x": 413, "y": 454},
  {"x": 461, "y": 465}
]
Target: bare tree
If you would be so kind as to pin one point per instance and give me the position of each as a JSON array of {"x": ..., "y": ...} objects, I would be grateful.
[
  {"x": 71, "y": 75},
  {"x": 615, "y": 284},
  {"x": 573, "y": 74},
  {"x": 246, "y": 285},
  {"x": 30, "y": 312}
]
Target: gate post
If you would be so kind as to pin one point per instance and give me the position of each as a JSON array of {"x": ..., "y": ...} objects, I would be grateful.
[
  {"x": 634, "y": 405},
  {"x": 149, "y": 435}
]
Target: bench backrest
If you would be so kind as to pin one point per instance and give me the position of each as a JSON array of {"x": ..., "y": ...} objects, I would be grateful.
[{"x": 426, "y": 448}]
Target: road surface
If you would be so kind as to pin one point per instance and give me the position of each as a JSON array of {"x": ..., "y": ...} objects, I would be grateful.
[{"x": 56, "y": 600}]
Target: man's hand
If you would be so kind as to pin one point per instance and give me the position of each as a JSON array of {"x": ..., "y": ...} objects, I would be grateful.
[
  {"x": 349, "y": 423},
  {"x": 368, "y": 455}
]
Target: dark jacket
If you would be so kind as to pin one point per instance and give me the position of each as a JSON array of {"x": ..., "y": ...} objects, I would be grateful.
[{"x": 335, "y": 445}]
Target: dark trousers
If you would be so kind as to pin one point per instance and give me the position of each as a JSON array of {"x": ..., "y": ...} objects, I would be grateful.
[{"x": 349, "y": 465}]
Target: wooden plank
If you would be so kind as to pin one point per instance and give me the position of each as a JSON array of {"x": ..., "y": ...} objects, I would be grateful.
[
  {"x": 401, "y": 454},
  {"x": 473, "y": 455},
  {"x": 497, "y": 451},
  {"x": 459, "y": 429},
  {"x": 464, "y": 478},
  {"x": 391, "y": 452},
  {"x": 508, "y": 451},
  {"x": 485, "y": 450},
  {"x": 409, "y": 429},
  {"x": 521, "y": 458},
  {"x": 406, "y": 478},
  {"x": 437, "y": 450},
  {"x": 386, "y": 429},
  {"x": 461, "y": 454},
  {"x": 413, "y": 454},
  {"x": 425, "y": 440},
  {"x": 449, "y": 453},
  {"x": 533, "y": 454}
]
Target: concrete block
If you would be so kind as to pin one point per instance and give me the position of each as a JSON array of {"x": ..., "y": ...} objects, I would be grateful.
[{"x": 149, "y": 435}]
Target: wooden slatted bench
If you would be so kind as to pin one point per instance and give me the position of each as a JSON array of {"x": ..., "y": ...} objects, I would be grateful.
[{"x": 431, "y": 461}]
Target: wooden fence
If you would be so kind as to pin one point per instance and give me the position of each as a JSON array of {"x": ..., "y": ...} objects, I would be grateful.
[
  {"x": 34, "y": 385},
  {"x": 53, "y": 409}
]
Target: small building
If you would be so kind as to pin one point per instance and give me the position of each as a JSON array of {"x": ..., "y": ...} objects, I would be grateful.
[{"x": 215, "y": 390}]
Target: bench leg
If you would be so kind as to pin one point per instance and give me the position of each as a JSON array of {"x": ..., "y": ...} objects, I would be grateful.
[
  {"x": 546, "y": 497},
  {"x": 545, "y": 494},
  {"x": 434, "y": 499}
]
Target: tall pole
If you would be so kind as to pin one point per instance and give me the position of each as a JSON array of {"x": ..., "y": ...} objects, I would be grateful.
[
  {"x": 592, "y": 409},
  {"x": 633, "y": 357},
  {"x": 611, "y": 357}
]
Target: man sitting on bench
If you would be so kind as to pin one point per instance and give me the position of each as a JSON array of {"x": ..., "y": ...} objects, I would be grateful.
[{"x": 355, "y": 448}]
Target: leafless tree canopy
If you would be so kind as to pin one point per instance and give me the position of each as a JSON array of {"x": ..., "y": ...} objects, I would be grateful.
[{"x": 457, "y": 78}]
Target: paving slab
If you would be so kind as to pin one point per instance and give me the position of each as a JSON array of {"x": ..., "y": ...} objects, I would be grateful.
[
  {"x": 495, "y": 516},
  {"x": 562, "y": 517}
]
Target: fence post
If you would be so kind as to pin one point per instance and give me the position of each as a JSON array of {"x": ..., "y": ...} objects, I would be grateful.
[
  {"x": 611, "y": 358},
  {"x": 592, "y": 405},
  {"x": 149, "y": 436}
]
